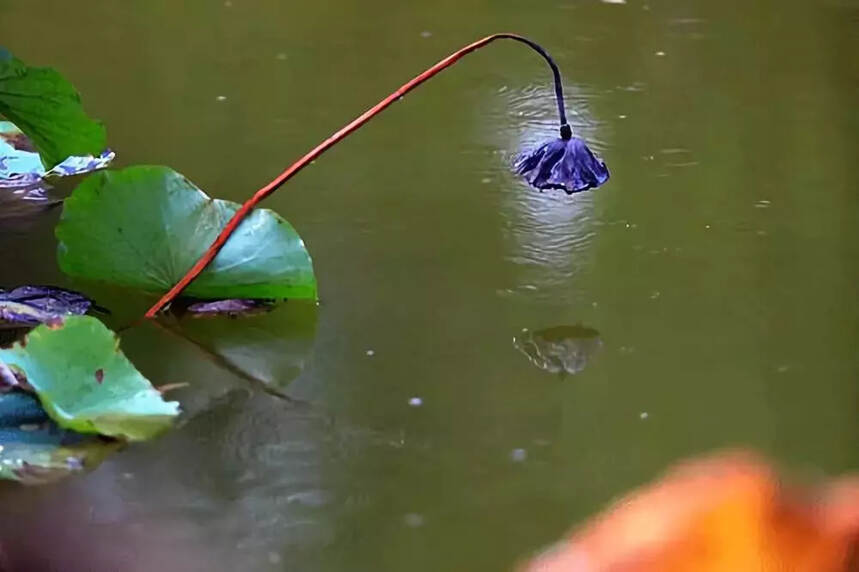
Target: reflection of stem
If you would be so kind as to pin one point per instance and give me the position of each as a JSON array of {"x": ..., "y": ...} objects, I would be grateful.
[
  {"x": 224, "y": 363},
  {"x": 358, "y": 122},
  {"x": 168, "y": 387}
]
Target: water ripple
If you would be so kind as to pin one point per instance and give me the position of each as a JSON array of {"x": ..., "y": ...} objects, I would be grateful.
[{"x": 548, "y": 235}]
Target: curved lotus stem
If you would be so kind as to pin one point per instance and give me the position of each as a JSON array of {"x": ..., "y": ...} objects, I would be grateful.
[{"x": 358, "y": 122}]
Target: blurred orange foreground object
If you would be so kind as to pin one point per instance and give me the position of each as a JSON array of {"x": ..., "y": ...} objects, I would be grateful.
[{"x": 727, "y": 513}]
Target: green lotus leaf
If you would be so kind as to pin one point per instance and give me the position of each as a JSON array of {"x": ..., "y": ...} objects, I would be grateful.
[
  {"x": 86, "y": 384},
  {"x": 143, "y": 227},
  {"x": 48, "y": 110}
]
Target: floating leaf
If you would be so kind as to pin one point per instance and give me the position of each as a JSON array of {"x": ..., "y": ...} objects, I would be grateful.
[
  {"x": 34, "y": 305},
  {"x": 86, "y": 384},
  {"x": 560, "y": 349},
  {"x": 144, "y": 227},
  {"x": 47, "y": 108}
]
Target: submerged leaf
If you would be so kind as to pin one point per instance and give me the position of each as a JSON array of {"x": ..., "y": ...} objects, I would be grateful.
[
  {"x": 33, "y": 450},
  {"x": 86, "y": 384},
  {"x": 47, "y": 108},
  {"x": 144, "y": 227},
  {"x": 42, "y": 456}
]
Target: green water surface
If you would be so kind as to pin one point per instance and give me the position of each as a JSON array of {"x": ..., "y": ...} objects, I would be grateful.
[{"x": 719, "y": 266}]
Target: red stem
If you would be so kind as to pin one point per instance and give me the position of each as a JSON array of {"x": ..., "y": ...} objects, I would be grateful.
[{"x": 261, "y": 194}]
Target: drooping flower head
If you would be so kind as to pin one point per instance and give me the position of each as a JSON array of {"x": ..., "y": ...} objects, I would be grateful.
[{"x": 565, "y": 163}]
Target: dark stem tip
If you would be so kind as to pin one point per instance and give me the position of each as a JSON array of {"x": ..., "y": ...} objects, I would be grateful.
[{"x": 566, "y": 132}]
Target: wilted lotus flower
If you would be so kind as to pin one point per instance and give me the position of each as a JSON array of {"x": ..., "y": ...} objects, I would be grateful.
[{"x": 565, "y": 163}]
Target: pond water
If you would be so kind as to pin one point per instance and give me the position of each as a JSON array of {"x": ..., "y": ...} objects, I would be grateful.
[{"x": 718, "y": 266}]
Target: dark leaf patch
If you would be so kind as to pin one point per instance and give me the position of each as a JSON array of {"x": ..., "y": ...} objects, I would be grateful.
[{"x": 28, "y": 306}]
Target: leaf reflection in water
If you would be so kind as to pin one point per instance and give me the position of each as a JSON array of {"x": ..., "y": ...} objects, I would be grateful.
[
  {"x": 559, "y": 349},
  {"x": 269, "y": 345}
]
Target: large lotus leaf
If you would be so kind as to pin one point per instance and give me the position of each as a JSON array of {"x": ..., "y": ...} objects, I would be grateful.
[
  {"x": 86, "y": 384},
  {"x": 33, "y": 450},
  {"x": 47, "y": 108},
  {"x": 144, "y": 227}
]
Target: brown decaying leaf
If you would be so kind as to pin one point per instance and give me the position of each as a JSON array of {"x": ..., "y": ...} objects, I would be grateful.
[{"x": 726, "y": 513}]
